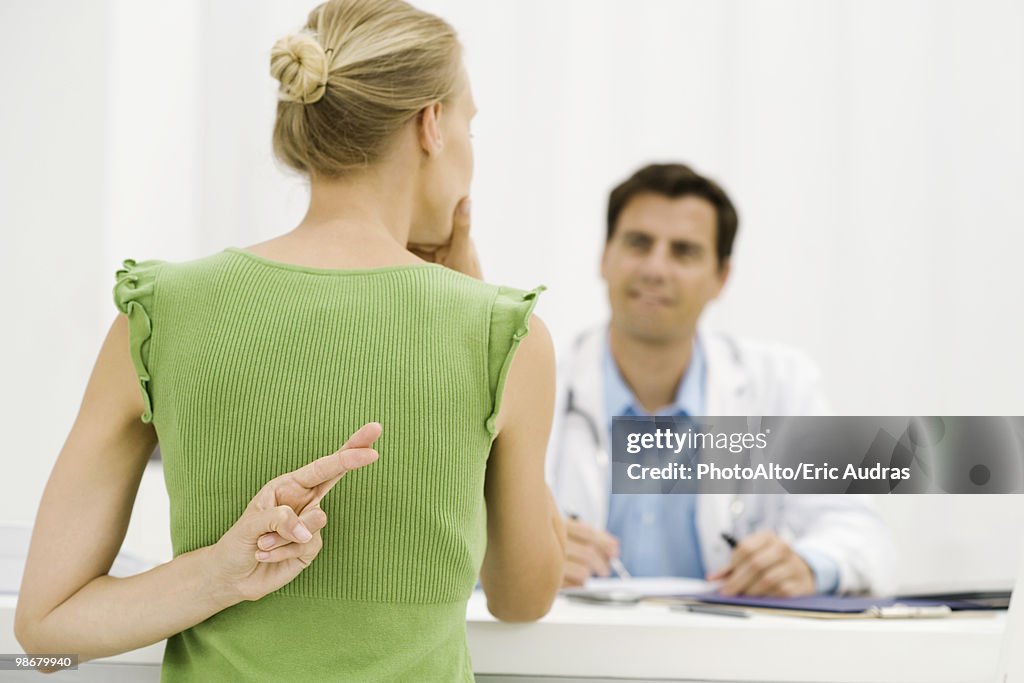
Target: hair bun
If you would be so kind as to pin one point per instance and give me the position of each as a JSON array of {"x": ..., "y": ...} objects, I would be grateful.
[{"x": 299, "y": 62}]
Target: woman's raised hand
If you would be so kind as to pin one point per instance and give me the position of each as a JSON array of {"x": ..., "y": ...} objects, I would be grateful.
[{"x": 278, "y": 535}]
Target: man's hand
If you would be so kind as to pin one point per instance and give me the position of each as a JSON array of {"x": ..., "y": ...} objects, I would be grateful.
[
  {"x": 764, "y": 564},
  {"x": 587, "y": 551},
  {"x": 459, "y": 253}
]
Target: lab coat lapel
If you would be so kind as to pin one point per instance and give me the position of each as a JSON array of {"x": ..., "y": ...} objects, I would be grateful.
[{"x": 728, "y": 392}]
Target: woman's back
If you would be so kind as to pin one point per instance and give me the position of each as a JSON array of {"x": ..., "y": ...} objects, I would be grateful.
[
  {"x": 255, "y": 374},
  {"x": 256, "y": 367}
]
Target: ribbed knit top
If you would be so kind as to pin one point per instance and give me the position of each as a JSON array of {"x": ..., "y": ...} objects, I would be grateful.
[{"x": 250, "y": 368}]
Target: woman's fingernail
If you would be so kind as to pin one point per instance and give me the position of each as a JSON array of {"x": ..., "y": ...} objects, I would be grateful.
[
  {"x": 262, "y": 555},
  {"x": 302, "y": 533},
  {"x": 265, "y": 542},
  {"x": 464, "y": 207}
]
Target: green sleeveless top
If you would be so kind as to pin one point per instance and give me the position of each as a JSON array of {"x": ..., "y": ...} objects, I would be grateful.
[{"x": 250, "y": 368}]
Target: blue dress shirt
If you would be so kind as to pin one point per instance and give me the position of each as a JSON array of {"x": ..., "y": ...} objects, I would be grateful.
[{"x": 658, "y": 533}]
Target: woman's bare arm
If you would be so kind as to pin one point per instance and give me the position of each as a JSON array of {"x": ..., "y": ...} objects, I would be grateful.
[
  {"x": 523, "y": 566},
  {"x": 68, "y": 603}
]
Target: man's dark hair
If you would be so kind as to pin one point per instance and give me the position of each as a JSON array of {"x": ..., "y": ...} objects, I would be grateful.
[{"x": 675, "y": 181}]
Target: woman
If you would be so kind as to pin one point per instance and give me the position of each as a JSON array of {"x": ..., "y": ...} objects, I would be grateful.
[{"x": 354, "y": 328}]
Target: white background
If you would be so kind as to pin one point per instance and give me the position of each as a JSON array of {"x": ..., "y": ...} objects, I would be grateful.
[{"x": 875, "y": 151}]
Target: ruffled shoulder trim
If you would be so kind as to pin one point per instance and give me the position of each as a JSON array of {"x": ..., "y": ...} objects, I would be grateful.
[
  {"x": 133, "y": 295},
  {"x": 510, "y": 322}
]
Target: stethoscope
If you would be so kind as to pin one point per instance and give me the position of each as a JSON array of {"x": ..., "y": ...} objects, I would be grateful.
[
  {"x": 736, "y": 506},
  {"x": 588, "y": 420}
]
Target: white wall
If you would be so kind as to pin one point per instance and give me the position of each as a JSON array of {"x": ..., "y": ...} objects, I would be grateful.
[
  {"x": 53, "y": 273},
  {"x": 874, "y": 150}
]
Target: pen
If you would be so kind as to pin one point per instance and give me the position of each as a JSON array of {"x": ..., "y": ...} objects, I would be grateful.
[
  {"x": 614, "y": 562},
  {"x": 708, "y": 609},
  {"x": 619, "y": 568},
  {"x": 730, "y": 539}
]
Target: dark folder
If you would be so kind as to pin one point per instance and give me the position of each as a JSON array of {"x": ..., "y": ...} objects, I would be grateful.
[{"x": 835, "y": 604}]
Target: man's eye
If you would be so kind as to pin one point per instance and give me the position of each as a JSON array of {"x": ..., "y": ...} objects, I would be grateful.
[{"x": 684, "y": 251}]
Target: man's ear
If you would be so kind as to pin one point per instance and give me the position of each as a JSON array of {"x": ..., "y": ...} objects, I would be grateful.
[
  {"x": 604, "y": 261},
  {"x": 724, "y": 269},
  {"x": 429, "y": 129}
]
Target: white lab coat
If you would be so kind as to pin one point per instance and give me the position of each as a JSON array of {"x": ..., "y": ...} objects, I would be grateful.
[{"x": 743, "y": 378}]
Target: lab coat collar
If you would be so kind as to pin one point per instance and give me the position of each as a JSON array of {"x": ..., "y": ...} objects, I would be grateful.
[{"x": 727, "y": 385}]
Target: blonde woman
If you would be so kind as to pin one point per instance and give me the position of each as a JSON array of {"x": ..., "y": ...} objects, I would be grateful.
[{"x": 366, "y": 328}]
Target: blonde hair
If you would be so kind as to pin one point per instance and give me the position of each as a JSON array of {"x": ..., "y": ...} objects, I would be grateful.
[{"x": 353, "y": 76}]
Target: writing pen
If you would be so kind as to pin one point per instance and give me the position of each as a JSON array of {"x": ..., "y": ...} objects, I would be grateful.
[
  {"x": 709, "y": 609},
  {"x": 730, "y": 539},
  {"x": 614, "y": 562},
  {"x": 619, "y": 568}
]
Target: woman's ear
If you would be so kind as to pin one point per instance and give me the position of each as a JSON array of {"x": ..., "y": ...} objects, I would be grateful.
[{"x": 429, "y": 129}]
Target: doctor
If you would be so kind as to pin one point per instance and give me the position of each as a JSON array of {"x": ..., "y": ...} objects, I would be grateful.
[{"x": 667, "y": 255}]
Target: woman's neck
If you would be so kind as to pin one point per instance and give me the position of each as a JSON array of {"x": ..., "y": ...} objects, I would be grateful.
[
  {"x": 361, "y": 221},
  {"x": 375, "y": 203}
]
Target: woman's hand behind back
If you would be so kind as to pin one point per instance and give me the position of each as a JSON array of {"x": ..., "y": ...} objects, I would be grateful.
[{"x": 278, "y": 535}]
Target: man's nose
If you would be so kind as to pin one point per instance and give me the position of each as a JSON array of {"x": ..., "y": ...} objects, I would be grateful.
[{"x": 656, "y": 263}]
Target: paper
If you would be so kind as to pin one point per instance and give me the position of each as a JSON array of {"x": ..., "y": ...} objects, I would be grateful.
[{"x": 651, "y": 587}]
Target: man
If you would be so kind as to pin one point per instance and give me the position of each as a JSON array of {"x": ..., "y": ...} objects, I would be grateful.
[{"x": 669, "y": 239}]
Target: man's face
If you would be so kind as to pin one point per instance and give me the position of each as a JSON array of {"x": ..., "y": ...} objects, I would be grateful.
[{"x": 661, "y": 266}]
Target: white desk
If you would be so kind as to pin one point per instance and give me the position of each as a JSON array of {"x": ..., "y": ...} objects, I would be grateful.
[{"x": 650, "y": 642}]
